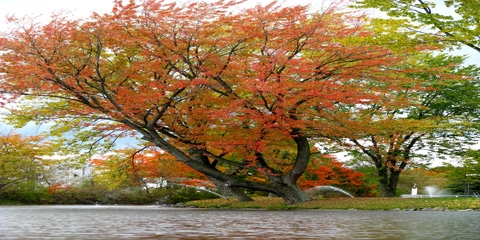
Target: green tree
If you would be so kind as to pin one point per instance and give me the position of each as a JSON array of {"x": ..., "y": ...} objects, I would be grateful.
[
  {"x": 21, "y": 162},
  {"x": 458, "y": 24},
  {"x": 422, "y": 177},
  {"x": 438, "y": 112},
  {"x": 464, "y": 179}
]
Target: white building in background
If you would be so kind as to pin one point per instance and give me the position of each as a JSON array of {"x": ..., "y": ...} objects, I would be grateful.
[
  {"x": 87, "y": 170},
  {"x": 58, "y": 169}
]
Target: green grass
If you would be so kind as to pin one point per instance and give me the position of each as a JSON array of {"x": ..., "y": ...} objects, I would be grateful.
[{"x": 346, "y": 203}]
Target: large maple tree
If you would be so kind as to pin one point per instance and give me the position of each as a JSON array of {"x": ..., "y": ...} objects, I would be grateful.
[{"x": 229, "y": 93}]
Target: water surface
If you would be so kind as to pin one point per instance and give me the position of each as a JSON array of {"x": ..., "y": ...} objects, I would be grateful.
[{"x": 153, "y": 222}]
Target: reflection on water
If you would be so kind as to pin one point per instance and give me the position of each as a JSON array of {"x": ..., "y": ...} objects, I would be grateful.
[{"x": 152, "y": 222}]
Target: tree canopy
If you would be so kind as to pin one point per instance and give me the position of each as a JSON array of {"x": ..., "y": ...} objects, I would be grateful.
[
  {"x": 455, "y": 21},
  {"x": 451, "y": 23},
  {"x": 440, "y": 118},
  {"x": 230, "y": 94}
]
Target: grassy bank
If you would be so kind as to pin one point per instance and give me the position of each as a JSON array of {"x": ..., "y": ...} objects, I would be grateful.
[{"x": 347, "y": 203}]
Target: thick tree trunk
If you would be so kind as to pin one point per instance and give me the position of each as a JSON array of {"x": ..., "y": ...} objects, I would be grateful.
[
  {"x": 388, "y": 183},
  {"x": 292, "y": 194},
  {"x": 387, "y": 190},
  {"x": 283, "y": 186},
  {"x": 289, "y": 190},
  {"x": 227, "y": 191}
]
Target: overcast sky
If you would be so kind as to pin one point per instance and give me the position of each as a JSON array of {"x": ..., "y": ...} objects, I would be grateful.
[{"x": 81, "y": 7}]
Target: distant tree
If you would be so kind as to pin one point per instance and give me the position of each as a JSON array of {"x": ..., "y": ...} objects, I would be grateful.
[
  {"x": 141, "y": 167},
  {"x": 422, "y": 177},
  {"x": 459, "y": 23},
  {"x": 328, "y": 170},
  {"x": 464, "y": 179},
  {"x": 439, "y": 113},
  {"x": 21, "y": 162}
]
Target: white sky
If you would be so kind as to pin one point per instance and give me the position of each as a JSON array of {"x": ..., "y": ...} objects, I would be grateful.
[{"x": 83, "y": 9}]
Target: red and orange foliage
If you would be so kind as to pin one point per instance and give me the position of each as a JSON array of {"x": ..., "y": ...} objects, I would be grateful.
[
  {"x": 136, "y": 168},
  {"x": 234, "y": 86},
  {"x": 58, "y": 187},
  {"x": 327, "y": 170}
]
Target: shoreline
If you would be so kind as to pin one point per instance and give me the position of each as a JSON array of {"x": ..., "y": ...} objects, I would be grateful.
[
  {"x": 353, "y": 204},
  {"x": 392, "y": 204}
]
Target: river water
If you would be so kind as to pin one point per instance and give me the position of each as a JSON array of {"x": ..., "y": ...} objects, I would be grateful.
[{"x": 154, "y": 222}]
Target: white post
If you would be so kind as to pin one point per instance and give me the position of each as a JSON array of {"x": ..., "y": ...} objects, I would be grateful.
[{"x": 414, "y": 189}]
